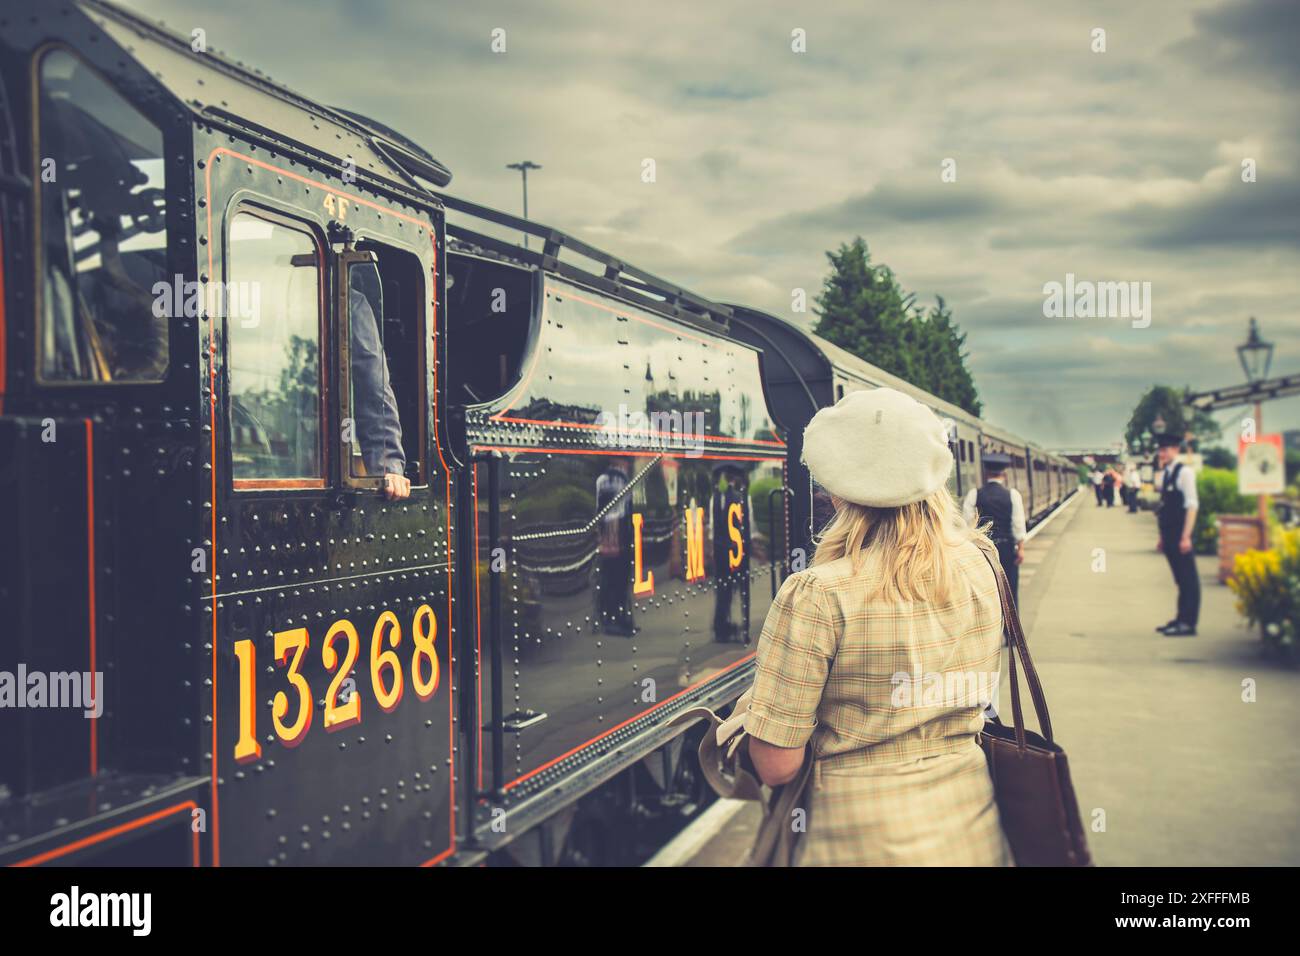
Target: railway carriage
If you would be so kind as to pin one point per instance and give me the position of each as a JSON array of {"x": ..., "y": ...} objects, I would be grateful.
[
  {"x": 292, "y": 668},
  {"x": 804, "y": 372}
]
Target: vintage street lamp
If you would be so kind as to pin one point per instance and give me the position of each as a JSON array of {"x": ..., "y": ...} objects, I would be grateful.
[{"x": 1256, "y": 356}]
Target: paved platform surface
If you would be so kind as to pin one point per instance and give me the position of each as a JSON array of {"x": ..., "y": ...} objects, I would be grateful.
[{"x": 1158, "y": 735}]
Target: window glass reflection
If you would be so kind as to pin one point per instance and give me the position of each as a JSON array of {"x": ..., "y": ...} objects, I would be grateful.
[
  {"x": 275, "y": 397},
  {"x": 103, "y": 231}
]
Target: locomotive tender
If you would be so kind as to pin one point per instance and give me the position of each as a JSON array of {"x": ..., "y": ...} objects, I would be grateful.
[{"x": 289, "y": 667}]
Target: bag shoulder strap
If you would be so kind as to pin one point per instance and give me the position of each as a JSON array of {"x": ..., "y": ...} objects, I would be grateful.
[{"x": 1017, "y": 645}]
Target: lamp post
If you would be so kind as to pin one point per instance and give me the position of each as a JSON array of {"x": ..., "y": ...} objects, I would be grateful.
[
  {"x": 523, "y": 168},
  {"x": 1256, "y": 355}
]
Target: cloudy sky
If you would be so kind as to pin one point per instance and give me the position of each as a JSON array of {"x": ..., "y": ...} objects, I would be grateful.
[{"x": 1122, "y": 165}]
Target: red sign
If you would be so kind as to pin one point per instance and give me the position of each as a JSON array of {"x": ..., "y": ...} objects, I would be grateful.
[{"x": 1261, "y": 466}]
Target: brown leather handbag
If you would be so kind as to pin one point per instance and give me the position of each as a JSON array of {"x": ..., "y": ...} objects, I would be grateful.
[{"x": 1031, "y": 776}]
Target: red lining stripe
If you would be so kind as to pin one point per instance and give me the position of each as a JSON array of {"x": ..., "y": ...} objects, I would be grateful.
[
  {"x": 638, "y": 431},
  {"x": 532, "y": 367},
  {"x": 108, "y": 834},
  {"x": 629, "y": 452},
  {"x": 687, "y": 690}
]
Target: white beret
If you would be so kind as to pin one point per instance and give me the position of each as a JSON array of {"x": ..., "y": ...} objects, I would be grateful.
[{"x": 878, "y": 448}]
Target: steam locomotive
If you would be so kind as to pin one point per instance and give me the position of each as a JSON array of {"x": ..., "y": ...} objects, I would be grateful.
[{"x": 224, "y": 643}]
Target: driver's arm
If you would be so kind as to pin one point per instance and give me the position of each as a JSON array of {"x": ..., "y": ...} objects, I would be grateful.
[{"x": 378, "y": 425}]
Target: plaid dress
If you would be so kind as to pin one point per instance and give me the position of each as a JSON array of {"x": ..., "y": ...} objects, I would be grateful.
[{"x": 892, "y": 695}]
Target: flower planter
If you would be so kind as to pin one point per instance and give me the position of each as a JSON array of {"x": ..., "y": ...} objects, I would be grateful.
[{"x": 1237, "y": 535}]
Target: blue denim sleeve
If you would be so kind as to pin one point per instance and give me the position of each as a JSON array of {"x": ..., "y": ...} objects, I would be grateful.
[{"x": 378, "y": 426}]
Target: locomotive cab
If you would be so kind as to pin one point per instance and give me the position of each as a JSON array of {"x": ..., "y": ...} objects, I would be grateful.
[
  {"x": 99, "y": 399},
  {"x": 229, "y": 331}
]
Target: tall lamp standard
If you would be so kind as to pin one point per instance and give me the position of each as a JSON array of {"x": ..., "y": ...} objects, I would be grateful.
[
  {"x": 523, "y": 168},
  {"x": 1256, "y": 356}
]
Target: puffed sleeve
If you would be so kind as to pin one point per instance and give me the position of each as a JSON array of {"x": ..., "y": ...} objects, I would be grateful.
[{"x": 795, "y": 651}]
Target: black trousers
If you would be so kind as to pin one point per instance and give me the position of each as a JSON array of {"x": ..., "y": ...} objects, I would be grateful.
[
  {"x": 722, "y": 604},
  {"x": 1189, "y": 583},
  {"x": 1007, "y": 555},
  {"x": 615, "y": 576},
  {"x": 1097, "y": 489}
]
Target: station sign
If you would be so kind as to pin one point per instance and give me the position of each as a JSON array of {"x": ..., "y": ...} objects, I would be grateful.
[{"x": 1261, "y": 466}]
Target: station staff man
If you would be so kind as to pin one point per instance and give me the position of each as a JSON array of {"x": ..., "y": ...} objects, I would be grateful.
[
  {"x": 1004, "y": 507},
  {"x": 1095, "y": 477},
  {"x": 1132, "y": 485},
  {"x": 1176, "y": 518}
]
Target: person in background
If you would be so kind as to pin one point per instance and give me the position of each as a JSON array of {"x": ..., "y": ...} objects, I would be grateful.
[
  {"x": 1176, "y": 519},
  {"x": 1095, "y": 477},
  {"x": 1109, "y": 478},
  {"x": 1004, "y": 507},
  {"x": 614, "y": 558},
  {"x": 899, "y": 586},
  {"x": 1132, "y": 485}
]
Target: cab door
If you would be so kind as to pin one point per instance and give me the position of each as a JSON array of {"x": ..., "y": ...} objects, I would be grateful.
[{"x": 331, "y": 685}]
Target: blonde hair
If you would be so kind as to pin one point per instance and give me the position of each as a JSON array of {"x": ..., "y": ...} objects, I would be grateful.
[{"x": 913, "y": 545}]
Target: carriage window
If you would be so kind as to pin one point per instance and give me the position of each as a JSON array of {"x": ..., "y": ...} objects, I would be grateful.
[
  {"x": 273, "y": 330},
  {"x": 102, "y": 227}
]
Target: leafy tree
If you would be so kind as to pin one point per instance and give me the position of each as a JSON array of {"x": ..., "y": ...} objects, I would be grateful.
[
  {"x": 1165, "y": 402},
  {"x": 864, "y": 310},
  {"x": 1219, "y": 457}
]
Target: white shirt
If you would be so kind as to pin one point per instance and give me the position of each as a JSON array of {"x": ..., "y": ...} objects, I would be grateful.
[
  {"x": 1185, "y": 482},
  {"x": 1095, "y": 477},
  {"x": 1132, "y": 478},
  {"x": 1017, "y": 510}
]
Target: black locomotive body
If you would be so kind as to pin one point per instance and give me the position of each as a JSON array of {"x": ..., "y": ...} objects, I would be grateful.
[{"x": 290, "y": 668}]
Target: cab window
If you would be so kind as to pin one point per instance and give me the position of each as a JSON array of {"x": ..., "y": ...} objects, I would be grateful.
[
  {"x": 102, "y": 248},
  {"x": 274, "y": 353}
]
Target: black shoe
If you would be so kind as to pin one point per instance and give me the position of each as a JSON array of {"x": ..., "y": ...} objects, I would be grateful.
[
  {"x": 1166, "y": 626},
  {"x": 1179, "y": 630}
]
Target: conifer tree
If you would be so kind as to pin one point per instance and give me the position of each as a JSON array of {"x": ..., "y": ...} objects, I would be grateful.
[{"x": 863, "y": 310}]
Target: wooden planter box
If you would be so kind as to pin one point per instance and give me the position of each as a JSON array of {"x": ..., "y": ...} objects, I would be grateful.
[{"x": 1237, "y": 534}]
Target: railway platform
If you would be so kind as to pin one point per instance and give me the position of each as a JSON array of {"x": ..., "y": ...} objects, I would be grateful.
[{"x": 1166, "y": 752}]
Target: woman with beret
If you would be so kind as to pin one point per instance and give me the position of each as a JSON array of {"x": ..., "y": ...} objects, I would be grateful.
[{"x": 884, "y": 652}]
